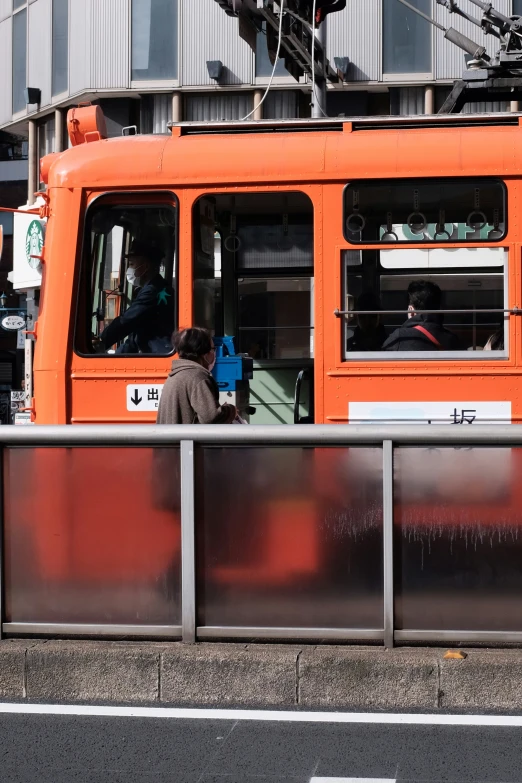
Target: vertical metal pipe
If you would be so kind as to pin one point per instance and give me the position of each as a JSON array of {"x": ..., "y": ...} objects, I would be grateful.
[
  {"x": 177, "y": 111},
  {"x": 258, "y": 111},
  {"x": 58, "y": 130},
  {"x": 387, "y": 504},
  {"x": 33, "y": 163},
  {"x": 429, "y": 99},
  {"x": 188, "y": 543},
  {"x": 319, "y": 96}
]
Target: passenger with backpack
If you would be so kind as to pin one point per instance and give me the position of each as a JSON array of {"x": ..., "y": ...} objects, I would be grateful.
[{"x": 423, "y": 331}]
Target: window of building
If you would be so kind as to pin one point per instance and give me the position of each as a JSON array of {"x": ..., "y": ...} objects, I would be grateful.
[
  {"x": 263, "y": 65},
  {"x": 407, "y": 38},
  {"x": 139, "y": 315},
  {"x": 253, "y": 272},
  {"x": 517, "y": 7},
  {"x": 19, "y": 60},
  {"x": 60, "y": 46},
  {"x": 472, "y": 286},
  {"x": 154, "y": 40},
  {"x": 425, "y": 211},
  {"x": 19, "y": 3}
]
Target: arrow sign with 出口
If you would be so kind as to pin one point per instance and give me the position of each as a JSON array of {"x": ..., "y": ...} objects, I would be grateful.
[
  {"x": 136, "y": 399},
  {"x": 142, "y": 397}
]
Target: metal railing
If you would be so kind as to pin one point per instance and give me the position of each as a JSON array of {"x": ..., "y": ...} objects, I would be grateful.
[{"x": 189, "y": 438}]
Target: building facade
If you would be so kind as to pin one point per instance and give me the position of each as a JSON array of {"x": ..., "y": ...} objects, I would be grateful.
[{"x": 146, "y": 62}]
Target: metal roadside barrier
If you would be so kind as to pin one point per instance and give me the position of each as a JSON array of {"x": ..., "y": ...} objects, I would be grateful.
[{"x": 486, "y": 506}]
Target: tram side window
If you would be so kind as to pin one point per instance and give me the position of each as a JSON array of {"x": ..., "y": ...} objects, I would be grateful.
[
  {"x": 127, "y": 303},
  {"x": 425, "y": 211},
  {"x": 464, "y": 288},
  {"x": 253, "y": 272}
]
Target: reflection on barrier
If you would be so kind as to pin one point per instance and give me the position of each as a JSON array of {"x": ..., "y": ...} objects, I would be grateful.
[{"x": 401, "y": 533}]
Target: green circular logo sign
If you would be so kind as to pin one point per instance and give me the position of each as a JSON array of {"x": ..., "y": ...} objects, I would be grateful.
[{"x": 34, "y": 243}]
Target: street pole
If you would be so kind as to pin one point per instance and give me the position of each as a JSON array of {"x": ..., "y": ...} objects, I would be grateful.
[{"x": 319, "y": 95}]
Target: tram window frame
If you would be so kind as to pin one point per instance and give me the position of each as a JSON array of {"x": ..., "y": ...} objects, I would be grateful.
[
  {"x": 440, "y": 235},
  {"x": 231, "y": 225},
  {"x": 85, "y": 298},
  {"x": 347, "y": 260}
]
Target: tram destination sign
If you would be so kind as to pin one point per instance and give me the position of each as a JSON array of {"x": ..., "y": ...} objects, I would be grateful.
[{"x": 456, "y": 412}]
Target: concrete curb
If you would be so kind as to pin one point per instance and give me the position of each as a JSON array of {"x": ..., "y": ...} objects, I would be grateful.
[{"x": 259, "y": 676}]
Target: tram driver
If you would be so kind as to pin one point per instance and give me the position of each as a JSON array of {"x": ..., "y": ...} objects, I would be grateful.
[
  {"x": 423, "y": 331},
  {"x": 148, "y": 322}
]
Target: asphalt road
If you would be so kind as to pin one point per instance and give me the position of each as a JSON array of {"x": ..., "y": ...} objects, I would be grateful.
[{"x": 96, "y": 749}]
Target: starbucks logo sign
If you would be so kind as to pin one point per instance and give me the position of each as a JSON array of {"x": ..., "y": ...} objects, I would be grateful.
[{"x": 34, "y": 243}]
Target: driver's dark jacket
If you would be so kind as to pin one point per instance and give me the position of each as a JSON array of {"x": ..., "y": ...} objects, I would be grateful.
[{"x": 148, "y": 323}]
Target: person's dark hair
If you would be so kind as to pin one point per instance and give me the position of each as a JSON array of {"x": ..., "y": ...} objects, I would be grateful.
[
  {"x": 424, "y": 295},
  {"x": 192, "y": 343}
]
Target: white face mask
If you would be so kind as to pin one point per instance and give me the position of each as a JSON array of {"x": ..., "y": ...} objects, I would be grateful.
[
  {"x": 132, "y": 277},
  {"x": 210, "y": 366}
]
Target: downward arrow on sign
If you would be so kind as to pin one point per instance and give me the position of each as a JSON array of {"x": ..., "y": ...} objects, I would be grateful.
[{"x": 136, "y": 400}]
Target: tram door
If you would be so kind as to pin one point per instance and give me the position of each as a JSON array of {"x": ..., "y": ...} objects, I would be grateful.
[{"x": 254, "y": 279}]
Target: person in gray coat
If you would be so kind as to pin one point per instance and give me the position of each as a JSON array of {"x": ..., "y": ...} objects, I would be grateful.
[{"x": 190, "y": 394}]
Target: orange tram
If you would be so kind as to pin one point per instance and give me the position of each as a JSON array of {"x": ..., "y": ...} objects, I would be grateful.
[
  {"x": 273, "y": 234},
  {"x": 280, "y": 234}
]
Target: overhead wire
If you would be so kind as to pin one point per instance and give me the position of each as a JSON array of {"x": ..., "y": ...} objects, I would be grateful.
[{"x": 281, "y": 9}]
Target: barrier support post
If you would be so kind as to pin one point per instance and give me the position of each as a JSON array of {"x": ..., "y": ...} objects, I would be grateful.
[
  {"x": 387, "y": 507},
  {"x": 188, "y": 543}
]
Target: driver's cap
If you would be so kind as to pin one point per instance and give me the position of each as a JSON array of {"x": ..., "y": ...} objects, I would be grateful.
[{"x": 145, "y": 249}]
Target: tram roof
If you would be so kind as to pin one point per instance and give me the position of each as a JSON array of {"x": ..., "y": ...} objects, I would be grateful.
[{"x": 285, "y": 151}]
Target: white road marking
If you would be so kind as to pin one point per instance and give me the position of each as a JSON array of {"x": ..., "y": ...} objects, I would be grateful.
[
  {"x": 182, "y": 713},
  {"x": 353, "y": 780}
]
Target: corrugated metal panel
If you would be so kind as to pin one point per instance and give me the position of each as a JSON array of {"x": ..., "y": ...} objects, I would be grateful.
[
  {"x": 6, "y": 82},
  {"x": 6, "y": 8},
  {"x": 161, "y": 113},
  {"x": 449, "y": 59},
  {"x": 217, "y": 106},
  {"x": 411, "y": 101},
  {"x": 80, "y": 25},
  {"x": 281, "y": 105},
  {"x": 209, "y": 34},
  {"x": 479, "y": 107},
  {"x": 110, "y": 43},
  {"x": 39, "y": 48},
  {"x": 354, "y": 33}
]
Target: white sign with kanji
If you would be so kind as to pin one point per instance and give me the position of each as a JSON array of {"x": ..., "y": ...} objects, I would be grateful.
[
  {"x": 143, "y": 396},
  {"x": 455, "y": 412}
]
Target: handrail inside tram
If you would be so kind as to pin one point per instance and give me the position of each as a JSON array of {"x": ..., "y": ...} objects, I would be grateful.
[{"x": 472, "y": 311}]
